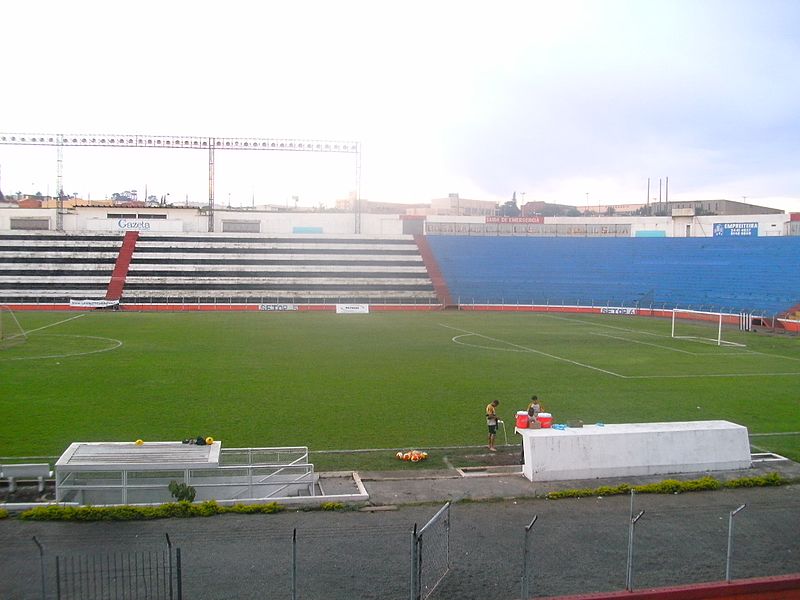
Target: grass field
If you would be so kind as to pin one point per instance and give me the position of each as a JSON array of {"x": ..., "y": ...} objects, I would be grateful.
[{"x": 382, "y": 380}]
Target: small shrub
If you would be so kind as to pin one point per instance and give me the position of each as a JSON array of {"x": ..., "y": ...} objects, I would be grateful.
[
  {"x": 579, "y": 493},
  {"x": 209, "y": 508},
  {"x": 3, "y": 513},
  {"x": 177, "y": 510},
  {"x": 331, "y": 506},
  {"x": 171, "y": 510},
  {"x": 253, "y": 509},
  {"x": 668, "y": 486},
  {"x": 770, "y": 479},
  {"x": 606, "y": 490},
  {"x": 182, "y": 492}
]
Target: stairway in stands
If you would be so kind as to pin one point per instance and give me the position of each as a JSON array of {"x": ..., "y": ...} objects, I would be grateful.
[{"x": 117, "y": 283}]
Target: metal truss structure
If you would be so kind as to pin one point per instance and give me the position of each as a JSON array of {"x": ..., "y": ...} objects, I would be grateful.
[{"x": 211, "y": 144}]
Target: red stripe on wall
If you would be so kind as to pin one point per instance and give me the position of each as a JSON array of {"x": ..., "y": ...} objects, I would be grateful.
[
  {"x": 120, "y": 273},
  {"x": 434, "y": 272},
  {"x": 785, "y": 587}
]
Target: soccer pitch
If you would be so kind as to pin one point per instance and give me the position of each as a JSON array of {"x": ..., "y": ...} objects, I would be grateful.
[{"x": 380, "y": 380}]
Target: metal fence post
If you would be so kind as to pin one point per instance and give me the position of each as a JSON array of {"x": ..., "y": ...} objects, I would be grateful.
[
  {"x": 294, "y": 564},
  {"x": 419, "y": 569},
  {"x": 730, "y": 542},
  {"x": 169, "y": 549},
  {"x": 41, "y": 565},
  {"x": 525, "y": 581},
  {"x": 413, "y": 576},
  {"x": 179, "y": 571},
  {"x": 58, "y": 578},
  {"x": 632, "y": 526}
]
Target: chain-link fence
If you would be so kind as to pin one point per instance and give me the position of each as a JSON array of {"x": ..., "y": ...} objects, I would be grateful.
[{"x": 495, "y": 550}]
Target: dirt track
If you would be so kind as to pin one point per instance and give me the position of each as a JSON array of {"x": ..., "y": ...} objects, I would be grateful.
[{"x": 578, "y": 546}]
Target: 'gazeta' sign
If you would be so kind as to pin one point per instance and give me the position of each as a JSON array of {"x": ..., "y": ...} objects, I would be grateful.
[{"x": 127, "y": 225}]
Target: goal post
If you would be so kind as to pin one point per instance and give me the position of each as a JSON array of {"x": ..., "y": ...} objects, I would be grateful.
[
  {"x": 11, "y": 332},
  {"x": 701, "y": 326}
]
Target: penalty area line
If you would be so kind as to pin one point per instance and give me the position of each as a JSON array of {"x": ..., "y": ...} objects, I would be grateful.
[
  {"x": 56, "y": 323},
  {"x": 527, "y": 349}
]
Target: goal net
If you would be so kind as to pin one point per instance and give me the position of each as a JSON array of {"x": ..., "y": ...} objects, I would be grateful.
[
  {"x": 701, "y": 326},
  {"x": 11, "y": 332}
]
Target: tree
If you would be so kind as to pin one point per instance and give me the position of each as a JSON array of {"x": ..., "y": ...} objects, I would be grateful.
[
  {"x": 126, "y": 196},
  {"x": 510, "y": 208}
]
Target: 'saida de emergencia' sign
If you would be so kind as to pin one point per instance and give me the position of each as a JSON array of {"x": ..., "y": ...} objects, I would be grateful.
[{"x": 735, "y": 229}]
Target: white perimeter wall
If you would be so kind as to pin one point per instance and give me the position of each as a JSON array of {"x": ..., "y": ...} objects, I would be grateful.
[{"x": 192, "y": 220}]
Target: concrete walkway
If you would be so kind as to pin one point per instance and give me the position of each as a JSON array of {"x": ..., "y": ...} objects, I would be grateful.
[{"x": 411, "y": 487}]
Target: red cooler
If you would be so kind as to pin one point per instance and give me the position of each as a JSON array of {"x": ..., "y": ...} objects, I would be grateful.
[
  {"x": 546, "y": 419},
  {"x": 522, "y": 419}
]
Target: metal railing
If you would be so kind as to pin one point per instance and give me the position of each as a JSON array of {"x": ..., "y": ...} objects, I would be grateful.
[{"x": 430, "y": 554}]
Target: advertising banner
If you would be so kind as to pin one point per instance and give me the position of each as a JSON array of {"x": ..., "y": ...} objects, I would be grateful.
[
  {"x": 735, "y": 229},
  {"x": 350, "y": 309},
  {"x": 536, "y": 219},
  {"x": 93, "y": 303},
  {"x": 617, "y": 310},
  {"x": 277, "y": 307}
]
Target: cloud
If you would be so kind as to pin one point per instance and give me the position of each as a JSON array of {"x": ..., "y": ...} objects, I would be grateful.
[{"x": 482, "y": 99}]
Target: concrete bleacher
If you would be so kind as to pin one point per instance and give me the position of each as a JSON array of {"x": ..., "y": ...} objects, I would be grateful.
[
  {"x": 186, "y": 269},
  {"x": 731, "y": 274},
  {"x": 52, "y": 268}
]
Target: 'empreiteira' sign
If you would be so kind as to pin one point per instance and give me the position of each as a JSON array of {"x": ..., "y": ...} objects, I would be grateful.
[{"x": 735, "y": 229}]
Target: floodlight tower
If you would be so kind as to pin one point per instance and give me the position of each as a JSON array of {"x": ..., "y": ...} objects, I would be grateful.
[
  {"x": 211, "y": 144},
  {"x": 59, "y": 183}
]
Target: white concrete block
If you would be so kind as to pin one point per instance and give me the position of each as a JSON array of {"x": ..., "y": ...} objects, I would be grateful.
[{"x": 619, "y": 450}]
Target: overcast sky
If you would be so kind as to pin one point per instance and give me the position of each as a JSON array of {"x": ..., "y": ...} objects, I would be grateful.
[{"x": 557, "y": 100}]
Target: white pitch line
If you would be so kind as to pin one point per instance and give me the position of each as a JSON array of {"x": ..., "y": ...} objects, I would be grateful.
[
  {"x": 457, "y": 341},
  {"x": 704, "y": 375},
  {"x": 628, "y": 330},
  {"x": 774, "y": 355},
  {"x": 574, "y": 362},
  {"x": 56, "y": 323},
  {"x": 775, "y": 433},
  {"x": 614, "y": 337},
  {"x": 661, "y": 335},
  {"x": 117, "y": 343},
  {"x": 526, "y": 349},
  {"x": 704, "y": 354}
]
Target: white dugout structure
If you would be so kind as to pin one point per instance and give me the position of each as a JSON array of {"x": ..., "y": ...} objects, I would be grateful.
[{"x": 99, "y": 473}]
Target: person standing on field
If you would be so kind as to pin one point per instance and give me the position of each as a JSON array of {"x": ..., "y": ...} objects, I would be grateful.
[
  {"x": 491, "y": 422},
  {"x": 535, "y": 407}
]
